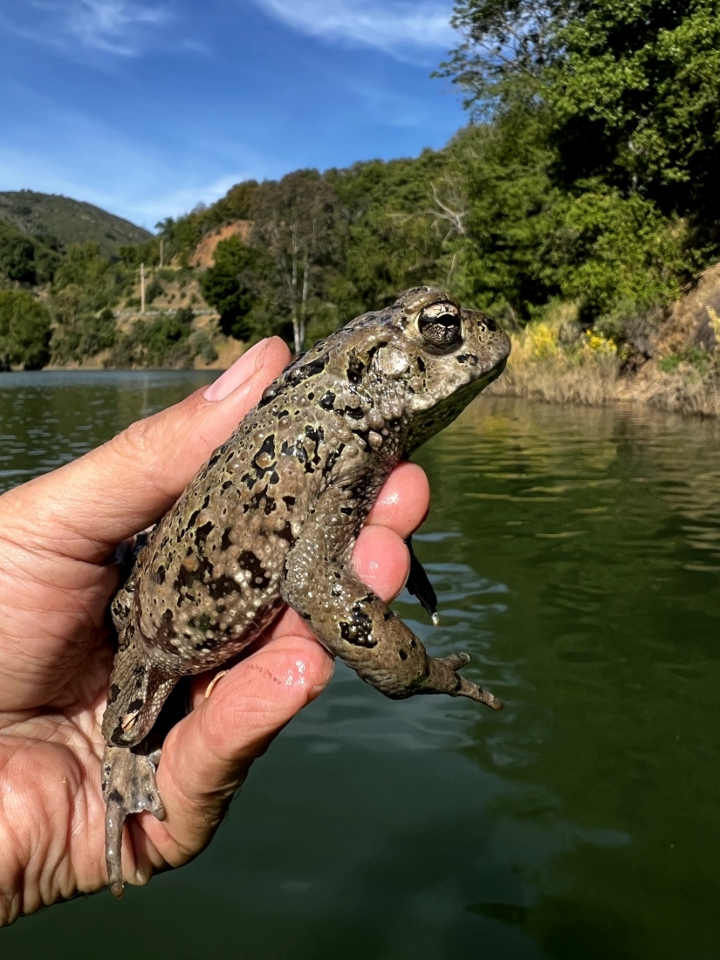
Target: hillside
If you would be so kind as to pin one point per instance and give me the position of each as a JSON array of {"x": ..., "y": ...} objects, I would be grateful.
[{"x": 67, "y": 220}]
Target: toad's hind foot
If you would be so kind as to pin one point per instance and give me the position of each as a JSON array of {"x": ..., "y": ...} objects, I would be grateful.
[
  {"x": 128, "y": 784},
  {"x": 442, "y": 678}
]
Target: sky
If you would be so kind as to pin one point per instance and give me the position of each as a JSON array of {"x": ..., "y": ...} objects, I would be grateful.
[{"x": 149, "y": 107}]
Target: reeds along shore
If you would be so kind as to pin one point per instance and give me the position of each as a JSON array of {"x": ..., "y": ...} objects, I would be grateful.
[{"x": 555, "y": 362}]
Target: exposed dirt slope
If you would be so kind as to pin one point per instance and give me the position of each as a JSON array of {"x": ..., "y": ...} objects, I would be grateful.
[{"x": 204, "y": 255}]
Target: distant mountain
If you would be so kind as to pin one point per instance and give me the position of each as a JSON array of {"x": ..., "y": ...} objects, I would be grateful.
[{"x": 69, "y": 221}]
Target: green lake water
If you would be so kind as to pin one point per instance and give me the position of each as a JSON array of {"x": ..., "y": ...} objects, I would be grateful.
[{"x": 576, "y": 556}]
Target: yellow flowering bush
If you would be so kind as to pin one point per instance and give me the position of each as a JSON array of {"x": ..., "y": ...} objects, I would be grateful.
[
  {"x": 599, "y": 344},
  {"x": 541, "y": 341}
]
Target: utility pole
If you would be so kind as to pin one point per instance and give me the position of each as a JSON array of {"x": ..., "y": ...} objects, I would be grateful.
[
  {"x": 142, "y": 288},
  {"x": 161, "y": 250}
]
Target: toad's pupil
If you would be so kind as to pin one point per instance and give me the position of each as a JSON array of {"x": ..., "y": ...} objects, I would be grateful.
[{"x": 442, "y": 329}]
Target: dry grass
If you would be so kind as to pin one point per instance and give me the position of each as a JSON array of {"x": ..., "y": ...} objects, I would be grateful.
[
  {"x": 689, "y": 393},
  {"x": 553, "y": 363}
]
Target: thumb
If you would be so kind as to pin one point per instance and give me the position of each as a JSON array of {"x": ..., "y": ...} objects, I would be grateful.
[
  {"x": 208, "y": 754},
  {"x": 89, "y": 506}
]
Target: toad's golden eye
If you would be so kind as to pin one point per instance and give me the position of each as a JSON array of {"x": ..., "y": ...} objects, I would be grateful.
[{"x": 440, "y": 324}]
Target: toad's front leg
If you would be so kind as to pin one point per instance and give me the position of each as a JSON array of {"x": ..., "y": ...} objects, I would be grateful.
[{"x": 356, "y": 625}]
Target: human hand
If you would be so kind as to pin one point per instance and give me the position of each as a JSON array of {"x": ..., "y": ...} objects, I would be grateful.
[{"x": 58, "y": 537}]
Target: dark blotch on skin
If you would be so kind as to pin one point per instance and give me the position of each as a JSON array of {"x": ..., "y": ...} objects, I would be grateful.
[
  {"x": 202, "y": 533},
  {"x": 307, "y": 370},
  {"x": 268, "y": 448},
  {"x": 258, "y": 577},
  {"x": 359, "y": 631},
  {"x": 184, "y": 578},
  {"x": 421, "y": 365},
  {"x": 355, "y": 412},
  {"x": 159, "y": 575},
  {"x": 355, "y": 370},
  {"x": 327, "y": 401},
  {"x": 285, "y": 533},
  {"x": 468, "y": 358},
  {"x": 222, "y": 587}
]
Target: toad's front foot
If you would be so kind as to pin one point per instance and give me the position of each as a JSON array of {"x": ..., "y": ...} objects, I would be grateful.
[{"x": 128, "y": 785}]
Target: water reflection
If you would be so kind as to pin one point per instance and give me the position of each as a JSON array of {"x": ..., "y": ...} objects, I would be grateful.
[{"x": 575, "y": 554}]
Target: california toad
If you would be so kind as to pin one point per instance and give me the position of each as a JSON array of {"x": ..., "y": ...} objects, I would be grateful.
[{"x": 272, "y": 518}]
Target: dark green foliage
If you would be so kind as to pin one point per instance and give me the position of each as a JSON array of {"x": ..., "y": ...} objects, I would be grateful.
[
  {"x": 505, "y": 264},
  {"x": 636, "y": 99},
  {"x": 17, "y": 256},
  {"x": 599, "y": 149},
  {"x": 608, "y": 251},
  {"x": 24, "y": 331},
  {"x": 24, "y": 260},
  {"x": 230, "y": 283},
  {"x": 165, "y": 341},
  {"x": 393, "y": 237},
  {"x": 153, "y": 291},
  {"x": 296, "y": 224},
  {"x": 505, "y": 40}
]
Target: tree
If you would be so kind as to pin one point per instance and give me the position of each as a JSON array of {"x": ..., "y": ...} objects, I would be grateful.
[
  {"x": 632, "y": 88},
  {"x": 24, "y": 331},
  {"x": 230, "y": 285},
  {"x": 17, "y": 255},
  {"x": 503, "y": 266},
  {"x": 635, "y": 92},
  {"x": 296, "y": 221},
  {"x": 505, "y": 40}
]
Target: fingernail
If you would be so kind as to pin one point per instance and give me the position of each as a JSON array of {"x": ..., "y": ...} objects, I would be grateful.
[
  {"x": 237, "y": 374},
  {"x": 319, "y": 687}
]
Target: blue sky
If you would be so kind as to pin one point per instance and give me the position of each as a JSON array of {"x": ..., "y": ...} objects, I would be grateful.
[{"x": 146, "y": 107}]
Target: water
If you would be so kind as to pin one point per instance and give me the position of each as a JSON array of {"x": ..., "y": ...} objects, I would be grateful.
[{"x": 576, "y": 554}]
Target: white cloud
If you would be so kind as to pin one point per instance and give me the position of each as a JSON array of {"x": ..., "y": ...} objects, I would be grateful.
[
  {"x": 398, "y": 27},
  {"x": 118, "y": 27},
  {"x": 106, "y": 24}
]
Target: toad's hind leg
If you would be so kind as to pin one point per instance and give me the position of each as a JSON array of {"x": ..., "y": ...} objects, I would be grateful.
[
  {"x": 355, "y": 624},
  {"x": 139, "y": 687},
  {"x": 128, "y": 785}
]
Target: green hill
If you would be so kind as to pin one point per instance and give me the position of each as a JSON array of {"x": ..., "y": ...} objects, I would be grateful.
[{"x": 69, "y": 221}]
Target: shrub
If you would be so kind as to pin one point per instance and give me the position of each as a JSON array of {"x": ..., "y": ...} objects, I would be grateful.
[{"x": 24, "y": 331}]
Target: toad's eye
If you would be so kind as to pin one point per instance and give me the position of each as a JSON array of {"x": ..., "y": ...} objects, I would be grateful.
[{"x": 440, "y": 325}]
